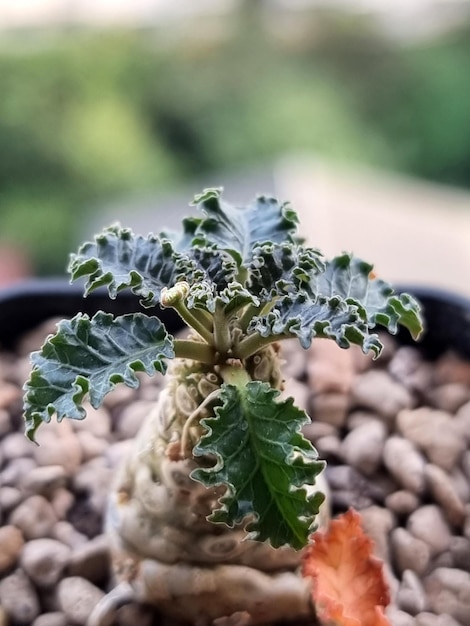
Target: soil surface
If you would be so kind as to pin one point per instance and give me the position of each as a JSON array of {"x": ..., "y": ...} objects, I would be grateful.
[{"x": 395, "y": 433}]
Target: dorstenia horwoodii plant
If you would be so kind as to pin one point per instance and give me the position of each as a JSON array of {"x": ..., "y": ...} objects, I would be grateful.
[{"x": 242, "y": 281}]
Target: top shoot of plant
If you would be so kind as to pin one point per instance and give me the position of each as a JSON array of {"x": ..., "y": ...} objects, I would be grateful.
[{"x": 242, "y": 281}]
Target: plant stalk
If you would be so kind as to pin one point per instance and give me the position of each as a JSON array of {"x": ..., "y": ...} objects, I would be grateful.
[
  {"x": 197, "y": 320},
  {"x": 195, "y": 350},
  {"x": 254, "y": 342}
]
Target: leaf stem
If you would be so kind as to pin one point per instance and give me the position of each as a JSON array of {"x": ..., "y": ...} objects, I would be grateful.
[
  {"x": 195, "y": 319},
  {"x": 252, "y": 311},
  {"x": 222, "y": 336},
  {"x": 254, "y": 342},
  {"x": 248, "y": 314},
  {"x": 195, "y": 350}
]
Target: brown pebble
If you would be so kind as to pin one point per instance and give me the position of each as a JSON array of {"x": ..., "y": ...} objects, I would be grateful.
[
  {"x": 377, "y": 523},
  {"x": 429, "y": 525},
  {"x": 461, "y": 422},
  {"x": 35, "y": 517},
  {"x": 44, "y": 480},
  {"x": 294, "y": 361},
  {"x": 409, "y": 552},
  {"x": 378, "y": 392},
  {"x": 433, "y": 432},
  {"x": 405, "y": 463},
  {"x": 460, "y": 551},
  {"x": 450, "y": 368},
  {"x": 292, "y": 389},
  {"x": 11, "y": 544},
  {"x": 63, "y": 450},
  {"x": 411, "y": 596},
  {"x": 449, "y": 397},
  {"x": 399, "y": 618},
  {"x": 77, "y": 598},
  {"x": 19, "y": 598},
  {"x": 363, "y": 447},
  {"x": 402, "y": 502},
  {"x": 331, "y": 408},
  {"x": 329, "y": 369},
  {"x": 449, "y": 592},
  {"x": 8, "y": 394},
  {"x": 14, "y": 471},
  {"x": 91, "y": 445},
  {"x": 44, "y": 560},
  {"x": 91, "y": 560},
  {"x": 97, "y": 421},
  {"x": 62, "y": 501},
  {"x": 5, "y": 422},
  {"x": 64, "y": 531},
  {"x": 315, "y": 430},
  {"x": 10, "y": 497},
  {"x": 430, "y": 619},
  {"x": 51, "y": 619},
  {"x": 441, "y": 487},
  {"x": 16, "y": 445}
]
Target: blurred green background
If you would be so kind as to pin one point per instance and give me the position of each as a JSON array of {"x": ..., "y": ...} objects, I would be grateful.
[{"x": 91, "y": 116}]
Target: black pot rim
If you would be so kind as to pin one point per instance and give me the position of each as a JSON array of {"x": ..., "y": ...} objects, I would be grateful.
[{"x": 25, "y": 305}]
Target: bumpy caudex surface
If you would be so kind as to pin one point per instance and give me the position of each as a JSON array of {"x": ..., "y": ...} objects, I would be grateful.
[{"x": 210, "y": 511}]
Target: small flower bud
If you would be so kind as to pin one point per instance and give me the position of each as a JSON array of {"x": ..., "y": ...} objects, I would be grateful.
[{"x": 177, "y": 293}]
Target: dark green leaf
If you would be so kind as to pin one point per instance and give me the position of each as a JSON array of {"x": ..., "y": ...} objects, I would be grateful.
[
  {"x": 89, "y": 356},
  {"x": 239, "y": 229},
  {"x": 119, "y": 259},
  {"x": 351, "y": 279},
  {"x": 278, "y": 269},
  {"x": 265, "y": 462},
  {"x": 304, "y": 317},
  {"x": 204, "y": 296},
  {"x": 218, "y": 267}
]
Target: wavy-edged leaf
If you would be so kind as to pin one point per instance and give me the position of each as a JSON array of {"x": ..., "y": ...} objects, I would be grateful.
[
  {"x": 90, "y": 356},
  {"x": 278, "y": 269},
  {"x": 352, "y": 279},
  {"x": 218, "y": 267},
  {"x": 264, "y": 460},
  {"x": 118, "y": 259},
  {"x": 204, "y": 295},
  {"x": 239, "y": 229},
  {"x": 305, "y": 318},
  {"x": 348, "y": 584}
]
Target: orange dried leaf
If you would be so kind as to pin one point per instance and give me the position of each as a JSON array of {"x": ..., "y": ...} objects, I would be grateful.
[{"x": 348, "y": 585}]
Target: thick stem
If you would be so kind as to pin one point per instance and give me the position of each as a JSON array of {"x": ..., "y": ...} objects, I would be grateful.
[
  {"x": 235, "y": 375},
  {"x": 195, "y": 350},
  {"x": 222, "y": 336}
]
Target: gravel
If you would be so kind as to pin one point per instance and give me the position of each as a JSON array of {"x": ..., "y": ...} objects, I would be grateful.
[{"x": 395, "y": 433}]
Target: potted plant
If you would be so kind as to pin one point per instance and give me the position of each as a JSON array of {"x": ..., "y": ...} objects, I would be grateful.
[{"x": 211, "y": 513}]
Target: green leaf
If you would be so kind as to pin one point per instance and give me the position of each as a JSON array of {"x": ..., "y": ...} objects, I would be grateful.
[
  {"x": 265, "y": 462},
  {"x": 89, "y": 356},
  {"x": 239, "y": 229},
  {"x": 350, "y": 278},
  {"x": 118, "y": 259},
  {"x": 234, "y": 296},
  {"x": 305, "y": 318},
  {"x": 344, "y": 303},
  {"x": 279, "y": 269}
]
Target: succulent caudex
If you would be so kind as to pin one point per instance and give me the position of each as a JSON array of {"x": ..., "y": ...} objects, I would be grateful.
[{"x": 209, "y": 512}]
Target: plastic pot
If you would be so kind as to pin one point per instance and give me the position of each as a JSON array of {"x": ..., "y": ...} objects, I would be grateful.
[{"x": 24, "y": 306}]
